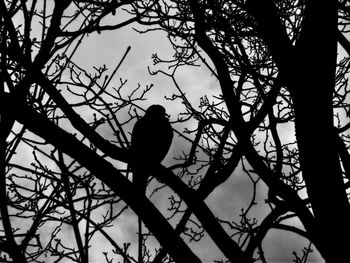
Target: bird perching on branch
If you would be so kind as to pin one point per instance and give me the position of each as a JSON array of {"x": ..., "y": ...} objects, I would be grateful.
[{"x": 150, "y": 142}]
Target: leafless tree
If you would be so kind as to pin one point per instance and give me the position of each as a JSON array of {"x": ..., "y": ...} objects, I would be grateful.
[{"x": 277, "y": 64}]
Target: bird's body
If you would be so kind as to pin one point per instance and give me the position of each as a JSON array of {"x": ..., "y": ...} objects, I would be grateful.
[{"x": 150, "y": 142}]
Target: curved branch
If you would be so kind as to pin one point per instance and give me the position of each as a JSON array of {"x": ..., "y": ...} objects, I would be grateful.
[{"x": 104, "y": 171}]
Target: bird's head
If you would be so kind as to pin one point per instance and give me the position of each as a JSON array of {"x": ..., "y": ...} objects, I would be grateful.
[{"x": 156, "y": 110}]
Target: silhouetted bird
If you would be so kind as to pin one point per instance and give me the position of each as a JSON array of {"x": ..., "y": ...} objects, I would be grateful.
[{"x": 150, "y": 142}]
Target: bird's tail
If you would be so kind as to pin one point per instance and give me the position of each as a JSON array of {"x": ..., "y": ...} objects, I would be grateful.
[{"x": 140, "y": 181}]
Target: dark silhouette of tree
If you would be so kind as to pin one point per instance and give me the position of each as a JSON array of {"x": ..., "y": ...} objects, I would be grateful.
[{"x": 277, "y": 64}]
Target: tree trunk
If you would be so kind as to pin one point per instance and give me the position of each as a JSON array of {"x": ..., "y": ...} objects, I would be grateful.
[
  {"x": 308, "y": 69},
  {"x": 312, "y": 90}
]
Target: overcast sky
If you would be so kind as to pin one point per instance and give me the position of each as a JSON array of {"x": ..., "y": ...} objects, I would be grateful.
[
  {"x": 229, "y": 198},
  {"x": 108, "y": 48}
]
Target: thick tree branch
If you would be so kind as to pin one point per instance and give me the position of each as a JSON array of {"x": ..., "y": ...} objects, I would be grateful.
[
  {"x": 344, "y": 42},
  {"x": 271, "y": 30},
  {"x": 310, "y": 77},
  {"x": 103, "y": 170}
]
